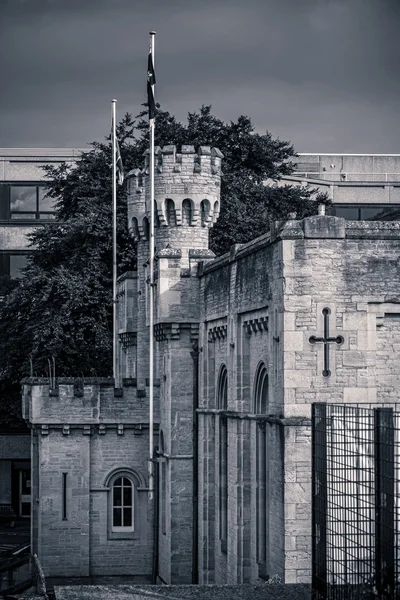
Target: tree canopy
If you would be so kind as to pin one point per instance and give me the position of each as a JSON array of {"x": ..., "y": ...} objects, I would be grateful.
[{"x": 62, "y": 305}]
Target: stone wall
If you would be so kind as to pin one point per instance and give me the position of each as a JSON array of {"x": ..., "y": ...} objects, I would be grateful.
[
  {"x": 90, "y": 434},
  {"x": 278, "y": 288},
  {"x": 241, "y": 306}
]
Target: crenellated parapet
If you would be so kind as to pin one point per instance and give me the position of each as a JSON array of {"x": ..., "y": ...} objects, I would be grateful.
[
  {"x": 186, "y": 190},
  {"x": 90, "y": 401}
]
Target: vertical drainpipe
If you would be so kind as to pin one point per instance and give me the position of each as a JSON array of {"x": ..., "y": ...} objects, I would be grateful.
[
  {"x": 195, "y": 570},
  {"x": 156, "y": 467}
]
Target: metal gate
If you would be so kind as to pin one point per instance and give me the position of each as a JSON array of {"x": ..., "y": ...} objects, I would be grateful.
[{"x": 355, "y": 501}]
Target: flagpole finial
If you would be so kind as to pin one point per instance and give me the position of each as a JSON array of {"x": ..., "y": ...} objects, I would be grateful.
[
  {"x": 113, "y": 100},
  {"x": 152, "y": 32}
]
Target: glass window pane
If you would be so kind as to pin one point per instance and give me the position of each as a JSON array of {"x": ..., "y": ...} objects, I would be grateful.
[
  {"x": 118, "y": 481},
  {"x": 126, "y": 482},
  {"x": 117, "y": 497},
  {"x": 127, "y": 517},
  {"x": 17, "y": 262},
  {"x": 23, "y": 198},
  {"x": 45, "y": 202},
  {"x": 18, "y": 215},
  {"x": 370, "y": 212},
  {"x": 46, "y": 216},
  {"x": 351, "y": 213},
  {"x": 264, "y": 393},
  {"x": 4, "y": 264},
  {"x": 117, "y": 517},
  {"x": 128, "y": 496}
]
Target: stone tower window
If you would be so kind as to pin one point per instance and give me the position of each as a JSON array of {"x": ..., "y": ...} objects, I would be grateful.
[
  {"x": 170, "y": 212},
  {"x": 222, "y": 404},
  {"x": 135, "y": 228},
  {"x": 187, "y": 212},
  {"x": 146, "y": 228},
  {"x": 261, "y": 407},
  {"x": 156, "y": 216},
  {"x": 205, "y": 212}
]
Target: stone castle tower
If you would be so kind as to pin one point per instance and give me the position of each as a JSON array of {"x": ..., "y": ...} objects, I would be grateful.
[
  {"x": 89, "y": 437},
  {"x": 187, "y": 196}
]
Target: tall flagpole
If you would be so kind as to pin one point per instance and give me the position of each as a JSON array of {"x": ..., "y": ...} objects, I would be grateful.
[
  {"x": 151, "y": 292},
  {"x": 114, "y": 242}
]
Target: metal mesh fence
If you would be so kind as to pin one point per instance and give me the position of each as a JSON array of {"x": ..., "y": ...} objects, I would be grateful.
[{"x": 356, "y": 493}]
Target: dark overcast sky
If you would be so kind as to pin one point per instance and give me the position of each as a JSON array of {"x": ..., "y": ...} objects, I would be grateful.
[{"x": 321, "y": 73}]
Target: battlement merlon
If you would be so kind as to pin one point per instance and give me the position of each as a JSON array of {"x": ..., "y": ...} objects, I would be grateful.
[{"x": 186, "y": 189}]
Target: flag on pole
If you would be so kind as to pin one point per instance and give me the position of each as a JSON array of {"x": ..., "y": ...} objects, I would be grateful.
[
  {"x": 151, "y": 79},
  {"x": 118, "y": 161}
]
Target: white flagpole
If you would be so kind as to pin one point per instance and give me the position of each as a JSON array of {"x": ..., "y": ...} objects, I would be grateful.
[
  {"x": 151, "y": 294},
  {"x": 114, "y": 242}
]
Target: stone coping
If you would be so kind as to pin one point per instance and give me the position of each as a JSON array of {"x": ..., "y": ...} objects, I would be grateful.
[
  {"x": 313, "y": 227},
  {"x": 184, "y": 592}
]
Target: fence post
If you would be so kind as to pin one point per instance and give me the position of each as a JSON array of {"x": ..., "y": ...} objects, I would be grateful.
[
  {"x": 384, "y": 502},
  {"x": 319, "y": 501}
]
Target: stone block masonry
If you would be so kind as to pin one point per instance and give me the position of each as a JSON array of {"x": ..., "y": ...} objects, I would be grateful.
[
  {"x": 278, "y": 293},
  {"x": 308, "y": 312},
  {"x": 83, "y": 437}
]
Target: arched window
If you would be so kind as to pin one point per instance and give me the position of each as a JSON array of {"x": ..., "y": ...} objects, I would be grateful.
[
  {"x": 205, "y": 211},
  {"x": 261, "y": 407},
  {"x": 156, "y": 217},
  {"x": 125, "y": 505},
  {"x": 222, "y": 404},
  {"x": 146, "y": 228},
  {"x": 134, "y": 228},
  {"x": 170, "y": 212},
  {"x": 187, "y": 212},
  {"x": 216, "y": 211},
  {"x": 122, "y": 504}
]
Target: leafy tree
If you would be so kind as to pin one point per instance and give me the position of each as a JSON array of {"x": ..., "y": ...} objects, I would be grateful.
[{"x": 62, "y": 306}]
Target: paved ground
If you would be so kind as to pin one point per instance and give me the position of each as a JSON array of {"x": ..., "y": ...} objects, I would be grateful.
[
  {"x": 11, "y": 537},
  {"x": 184, "y": 592}
]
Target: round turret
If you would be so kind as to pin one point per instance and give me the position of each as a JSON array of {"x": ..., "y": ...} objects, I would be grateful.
[{"x": 186, "y": 193}]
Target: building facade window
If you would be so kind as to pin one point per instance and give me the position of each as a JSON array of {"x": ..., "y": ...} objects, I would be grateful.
[
  {"x": 25, "y": 202},
  {"x": 261, "y": 406},
  {"x": 12, "y": 263},
  {"x": 126, "y": 504},
  {"x": 122, "y": 505},
  {"x": 366, "y": 212},
  {"x": 222, "y": 404}
]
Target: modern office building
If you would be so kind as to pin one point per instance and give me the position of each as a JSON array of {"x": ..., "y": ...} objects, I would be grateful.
[
  {"x": 23, "y": 206},
  {"x": 361, "y": 186}
]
